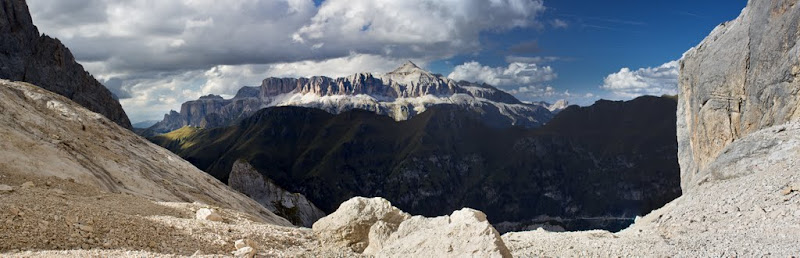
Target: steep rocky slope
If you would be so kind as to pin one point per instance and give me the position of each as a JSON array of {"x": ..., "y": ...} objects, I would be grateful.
[
  {"x": 27, "y": 56},
  {"x": 741, "y": 78},
  {"x": 292, "y": 206},
  {"x": 44, "y": 134},
  {"x": 444, "y": 159},
  {"x": 739, "y": 143},
  {"x": 401, "y": 94}
]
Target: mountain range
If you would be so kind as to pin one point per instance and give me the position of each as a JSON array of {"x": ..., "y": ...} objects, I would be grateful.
[
  {"x": 446, "y": 158},
  {"x": 78, "y": 183},
  {"x": 400, "y": 94}
]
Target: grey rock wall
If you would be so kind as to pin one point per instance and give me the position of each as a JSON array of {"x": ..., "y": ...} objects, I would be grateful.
[{"x": 741, "y": 78}]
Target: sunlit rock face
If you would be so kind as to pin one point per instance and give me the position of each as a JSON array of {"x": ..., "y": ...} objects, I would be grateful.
[
  {"x": 401, "y": 94},
  {"x": 740, "y": 79}
]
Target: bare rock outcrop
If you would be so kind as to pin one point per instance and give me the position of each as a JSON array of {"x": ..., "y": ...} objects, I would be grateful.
[
  {"x": 27, "y": 56},
  {"x": 350, "y": 225},
  {"x": 292, "y": 206},
  {"x": 742, "y": 78},
  {"x": 374, "y": 227},
  {"x": 45, "y": 134}
]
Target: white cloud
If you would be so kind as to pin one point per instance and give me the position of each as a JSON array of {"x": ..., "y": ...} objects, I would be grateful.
[
  {"x": 533, "y": 59},
  {"x": 516, "y": 74},
  {"x": 644, "y": 81},
  {"x": 559, "y": 24},
  {"x": 526, "y": 81},
  {"x": 413, "y": 28},
  {"x": 339, "y": 67}
]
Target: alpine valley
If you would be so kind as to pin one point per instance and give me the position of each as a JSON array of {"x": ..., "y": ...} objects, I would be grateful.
[{"x": 432, "y": 145}]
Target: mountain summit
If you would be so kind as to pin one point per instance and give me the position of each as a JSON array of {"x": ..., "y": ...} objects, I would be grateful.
[
  {"x": 401, "y": 94},
  {"x": 407, "y": 68}
]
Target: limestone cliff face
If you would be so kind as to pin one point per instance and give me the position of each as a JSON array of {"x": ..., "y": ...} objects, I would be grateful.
[
  {"x": 292, "y": 206},
  {"x": 401, "y": 94},
  {"x": 44, "y": 61},
  {"x": 741, "y": 78}
]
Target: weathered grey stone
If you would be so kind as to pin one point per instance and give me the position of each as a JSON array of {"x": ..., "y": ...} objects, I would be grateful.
[
  {"x": 465, "y": 233},
  {"x": 6, "y": 188},
  {"x": 743, "y": 77},
  {"x": 208, "y": 214},
  {"x": 375, "y": 227},
  {"x": 292, "y": 206},
  {"x": 350, "y": 225}
]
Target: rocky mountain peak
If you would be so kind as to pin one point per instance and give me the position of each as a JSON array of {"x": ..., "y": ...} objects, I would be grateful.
[
  {"x": 17, "y": 19},
  {"x": 27, "y": 56},
  {"x": 212, "y": 96},
  {"x": 407, "y": 68},
  {"x": 559, "y": 105}
]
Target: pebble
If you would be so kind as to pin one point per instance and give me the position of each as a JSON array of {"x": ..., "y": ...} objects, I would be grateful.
[
  {"x": 787, "y": 190},
  {"x": 6, "y": 189},
  {"x": 247, "y": 252},
  {"x": 242, "y": 243},
  {"x": 85, "y": 228},
  {"x": 14, "y": 210},
  {"x": 208, "y": 214},
  {"x": 27, "y": 185}
]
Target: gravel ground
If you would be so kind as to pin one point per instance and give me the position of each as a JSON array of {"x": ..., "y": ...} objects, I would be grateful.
[{"x": 56, "y": 217}]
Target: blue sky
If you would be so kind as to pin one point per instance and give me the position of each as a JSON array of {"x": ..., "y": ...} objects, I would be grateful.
[
  {"x": 602, "y": 37},
  {"x": 155, "y": 55}
]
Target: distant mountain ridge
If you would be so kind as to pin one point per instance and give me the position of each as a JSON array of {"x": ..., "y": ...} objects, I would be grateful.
[
  {"x": 401, "y": 94},
  {"x": 26, "y": 55},
  {"x": 447, "y": 158}
]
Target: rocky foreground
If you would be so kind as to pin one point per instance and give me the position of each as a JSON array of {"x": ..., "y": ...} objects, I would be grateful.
[{"x": 73, "y": 183}]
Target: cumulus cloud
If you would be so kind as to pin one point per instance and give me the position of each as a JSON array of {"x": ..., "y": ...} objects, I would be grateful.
[
  {"x": 532, "y": 59},
  {"x": 514, "y": 75},
  {"x": 413, "y": 28},
  {"x": 644, "y": 81},
  {"x": 528, "y": 81},
  {"x": 156, "y": 54},
  {"x": 559, "y": 24}
]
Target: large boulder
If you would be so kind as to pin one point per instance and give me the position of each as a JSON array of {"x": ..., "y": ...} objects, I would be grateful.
[
  {"x": 350, "y": 225},
  {"x": 465, "y": 233},
  {"x": 374, "y": 227},
  {"x": 740, "y": 79}
]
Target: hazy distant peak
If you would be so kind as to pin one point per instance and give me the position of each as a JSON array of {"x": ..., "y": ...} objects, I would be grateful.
[{"x": 407, "y": 68}]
